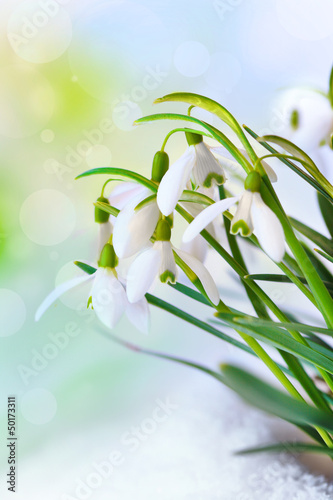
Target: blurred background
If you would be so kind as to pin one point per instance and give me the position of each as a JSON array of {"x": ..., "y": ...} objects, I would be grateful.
[{"x": 73, "y": 77}]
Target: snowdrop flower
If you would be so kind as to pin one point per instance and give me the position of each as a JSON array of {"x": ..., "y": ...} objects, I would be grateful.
[
  {"x": 107, "y": 297},
  {"x": 309, "y": 116},
  {"x": 197, "y": 162},
  {"x": 159, "y": 261},
  {"x": 135, "y": 226},
  {"x": 252, "y": 215}
]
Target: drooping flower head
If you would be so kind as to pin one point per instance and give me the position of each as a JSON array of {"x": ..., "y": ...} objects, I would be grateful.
[
  {"x": 197, "y": 164},
  {"x": 136, "y": 223},
  {"x": 107, "y": 297},
  {"x": 159, "y": 262},
  {"x": 252, "y": 215}
]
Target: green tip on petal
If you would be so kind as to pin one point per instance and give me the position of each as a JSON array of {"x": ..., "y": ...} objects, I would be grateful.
[
  {"x": 193, "y": 139},
  {"x": 294, "y": 119},
  {"x": 253, "y": 182},
  {"x": 241, "y": 227},
  {"x": 108, "y": 257},
  {"x": 100, "y": 215},
  {"x": 163, "y": 231},
  {"x": 168, "y": 277},
  {"x": 89, "y": 303},
  {"x": 213, "y": 178},
  {"x": 160, "y": 166}
]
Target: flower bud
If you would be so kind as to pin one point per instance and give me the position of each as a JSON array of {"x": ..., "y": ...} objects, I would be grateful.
[
  {"x": 108, "y": 257},
  {"x": 193, "y": 139},
  {"x": 253, "y": 181},
  {"x": 160, "y": 166},
  {"x": 100, "y": 215},
  {"x": 163, "y": 231}
]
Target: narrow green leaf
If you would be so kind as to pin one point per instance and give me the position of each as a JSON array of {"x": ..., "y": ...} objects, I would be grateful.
[
  {"x": 313, "y": 235},
  {"x": 326, "y": 209},
  {"x": 323, "y": 254},
  {"x": 107, "y": 208},
  {"x": 215, "y": 133},
  {"x": 322, "y": 271},
  {"x": 293, "y": 167},
  {"x": 281, "y": 278},
  {"x": 121, "y": 174},
  {"x": 297, "y": 152},
  {"x": 195, "y": 197},
  {"x": 278, "y": 338},
  {"x": 85, "y": 267},
  {"x": 256, "y": 322},
  {"x": 305, "y": 428},
  {"x": 288, "y": 447},
  {"x": 269, "y": 399},
  {"x": 215, "y": 108},
  {"x": 145, "y": 202},
  {"x": 195, "y": 321}
]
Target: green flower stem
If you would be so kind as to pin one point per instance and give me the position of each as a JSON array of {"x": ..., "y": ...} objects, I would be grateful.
[{"x": 193, "y": 131}]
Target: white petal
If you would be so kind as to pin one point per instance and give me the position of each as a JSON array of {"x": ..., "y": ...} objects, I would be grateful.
[
  {"x": 104, "y": 233},
  {"x": 268, "y": 229},
  {"x": 243, "y": 213},
  {"x": 174, "y": 181},
  {"x": 197, "y": 247},
  {"x": 139, "y": 315},
  {"x": 205, "y": 166},
  {"x": 204, "y": 276},
  {"x": 142, "y": 273},
  {"x": 60, "y": 290},
  {"x": 124, "y": 192},
  {"x": 168, "y": 264},
  {"x": 133, "y": 228},
  {"x": 108, "y": 297},
  {"x": 206, "y": 217}
]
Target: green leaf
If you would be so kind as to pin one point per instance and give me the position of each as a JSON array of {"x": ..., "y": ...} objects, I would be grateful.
[
  {"x": 293, "y": 167},
  {"x": 256, "y": 322},
  {"x": 145, "y": 202},
  {"x": 215, "y": 133},
  {"x": 288, "y": 447},
  {"x": 189, "y": 292},
  {"x": 297, "y": 152},
  {"x": 195, "y": 197},
  {"x": 326, "y": 209},
  {"x": 85, "y": 267},
  {"x": 313, "y": 235},
  {"x": 305, "y": 428},
  {"x": 195, "y": 321},
  {"x": 301, "y": 156},
  {"x": 121, "y": 174},
  {"x": 107, "y": 208},
  {"x": 323, "y": 254},
  {"x": 215, "y": 108},
  {"x": 322, "y": 271},
  {"x": 278, "y": 338},
  {"x": 269, "y": 399},
  {"x": 281, "y": 278}
]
